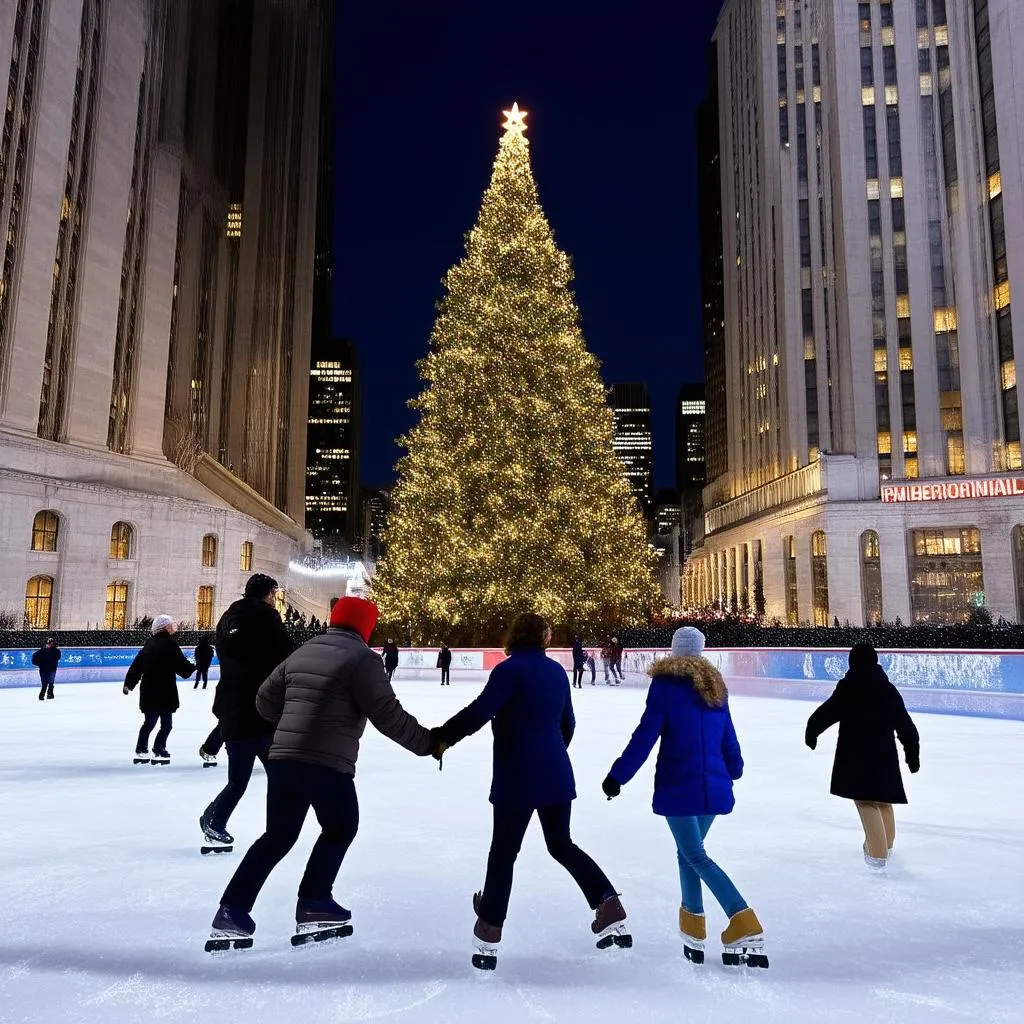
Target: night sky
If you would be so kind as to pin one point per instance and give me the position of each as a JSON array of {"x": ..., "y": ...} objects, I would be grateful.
[{"x": 611, "y": 100}]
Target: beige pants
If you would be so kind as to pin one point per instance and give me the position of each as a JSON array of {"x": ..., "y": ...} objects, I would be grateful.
[{"x": 879, "y": 828}]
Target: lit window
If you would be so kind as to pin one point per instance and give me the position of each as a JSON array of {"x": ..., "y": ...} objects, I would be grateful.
[
  {"x": 1008, "y": 374},
  {"x": 816, "y": 94},
  {"x": 245, "y": 559},
  {"x": 941, "y": 35},
  {"x": 910, "y": 441},
  {"x": 234, "y": 225},
  {"x": 906, "y": 358},
  {"x": 867, "y": 96},
  {"x": 881, "y": 360},
  {"x": 945, "y": 319},
  {"x": 910, "y": 468},
  {"x": 809, "y": 347},
  {"x": 204, "y": 608},
  {"x": 115, "y": 613},
  {"x": 38, "y": 602},
  {"x": 44, "y": 531},
  {"x": 923, "y": 41},
  {"x": 872, "y": 188},
  {"x": 995, "y": 184},
  {"x": 955, "y": 455},
  {"x": 892, "y": 95},
  {"x": 902, "y": 306},
  {"x": 209, "y": 551},
  {"x": 953, "y": 418},
  {"x": 121, "y": 536},
  {"x": 888, "y": 35},
  {"x": 1013, "y": 459},
  {"x": 896, "y": 188},
  {"x": 926, "y": 84},
  {"x": 884, "y": 443},
  {"x": 1001, "y": 298}
]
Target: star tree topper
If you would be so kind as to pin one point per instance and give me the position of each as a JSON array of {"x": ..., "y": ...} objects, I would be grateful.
[{"x": 515, "y": 120}]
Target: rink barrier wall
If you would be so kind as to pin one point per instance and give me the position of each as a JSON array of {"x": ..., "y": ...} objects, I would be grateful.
[{"x": 983, "y": 683}]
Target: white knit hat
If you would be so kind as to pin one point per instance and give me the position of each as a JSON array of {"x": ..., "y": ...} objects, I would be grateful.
[
  {"x": 161, "y": 622},
  {"x": 687, "y": 642}
]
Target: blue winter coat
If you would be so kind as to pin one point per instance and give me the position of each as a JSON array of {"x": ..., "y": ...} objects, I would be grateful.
[
  {"x": 699, "y": 757},
  {"x": 528, "y": 703}
]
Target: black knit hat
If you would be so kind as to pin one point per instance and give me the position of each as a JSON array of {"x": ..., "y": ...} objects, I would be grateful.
[
  {"x": 259, "y": 585},
  {"x": 863, "y": 656}
]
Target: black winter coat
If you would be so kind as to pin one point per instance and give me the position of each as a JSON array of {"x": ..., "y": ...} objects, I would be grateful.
[
  {"x": 251, "y": 642},
  {"x": 444, "y": 658},
  {"x": 869, "y": 709},
  {"x": 390, "y": 654},
  {"x": 46, "y": 659},
  {"x": 156, "y": 666},
  {"x": 203, "y": 655}
]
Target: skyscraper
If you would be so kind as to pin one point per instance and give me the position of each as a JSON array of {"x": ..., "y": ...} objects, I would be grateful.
[
  {"x": 332, "y": 461},
  {"x": 691, "y": 458},
  {"x": 873, "y": 236},
  {"x": 632, "y": 439}
]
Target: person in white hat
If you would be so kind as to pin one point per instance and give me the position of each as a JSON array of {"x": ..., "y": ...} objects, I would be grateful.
[{"x": 156, "y": 667}]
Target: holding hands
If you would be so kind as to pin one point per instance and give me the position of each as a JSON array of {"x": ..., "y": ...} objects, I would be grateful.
[{"x": 610, "y": 787}]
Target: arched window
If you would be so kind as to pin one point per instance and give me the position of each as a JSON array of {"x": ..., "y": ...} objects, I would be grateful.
[
  {"x": 38, "y": 602},
  {"x": 947, "y": 578},
  {"x": 819, "y": 578},
  {"x": 115, "y": 614},
  {"x": 44, "y": 531},
  {"x": 871, "y": 577},
  {"x": 209, "y": 551},
  {"x": 792, "y": 593},
  {"x": 245, "y": 559},
  {"x": 122, "y": 541},
  {"x": 204, "y": 608}
]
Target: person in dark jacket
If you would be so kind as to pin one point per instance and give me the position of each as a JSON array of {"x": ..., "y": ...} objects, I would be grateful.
[
  {"x": 203, "y": 657},
  {"x": 320, "y": 699},
  {"x": 527, "y": 700},
  {"x": 615, "y": 659},
  {"x": 45, "y": 659},
  {"x": 390, "y": 655},
  {"x": 155, "y": 667},
  {"x": 251, "y": 643},
  {"x": 579, "y": 660},
  {"x": 698, "y": 761},
  {"x": 444, "y": 663},
  {"x": 869, "y": 710},
  {"x": 591, "y": 664}
]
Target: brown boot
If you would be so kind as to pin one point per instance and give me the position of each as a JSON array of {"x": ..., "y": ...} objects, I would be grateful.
[
  {"x": 743, "y": 941},
  {"x": 486, "y": 938},
  {"x": 694, "y": 930},
  {"x": 610, "y": 926}
]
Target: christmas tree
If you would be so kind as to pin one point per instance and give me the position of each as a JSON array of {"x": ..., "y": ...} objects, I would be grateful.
[{"x": 510, "y": 497}]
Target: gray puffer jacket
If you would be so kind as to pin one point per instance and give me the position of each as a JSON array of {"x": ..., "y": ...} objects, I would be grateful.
[{"x": 321, "y": 696}]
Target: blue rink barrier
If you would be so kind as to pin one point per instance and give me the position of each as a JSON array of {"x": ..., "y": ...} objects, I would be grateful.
[{"x": 77, "y": 665}]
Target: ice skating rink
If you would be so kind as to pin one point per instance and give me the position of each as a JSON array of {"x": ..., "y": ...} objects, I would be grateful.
[{"x": 106, "y": 901}]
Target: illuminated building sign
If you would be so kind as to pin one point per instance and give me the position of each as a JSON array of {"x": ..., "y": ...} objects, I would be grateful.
[{"x": 994, "y": 487}]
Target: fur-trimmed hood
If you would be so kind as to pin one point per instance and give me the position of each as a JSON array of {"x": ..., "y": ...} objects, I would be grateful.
[{"x": 707, "y": 681}]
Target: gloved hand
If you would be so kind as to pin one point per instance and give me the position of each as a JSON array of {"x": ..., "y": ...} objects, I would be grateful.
[
  {"x": 438, "y": 744},
  {"x": 914, "y": 764},
  {"x": 125, "y": 689},
  {"x": 811, "y": 740},
  {"x": 611, "y": 787}
]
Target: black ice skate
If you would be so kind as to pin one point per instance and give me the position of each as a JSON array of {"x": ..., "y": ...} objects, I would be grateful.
[
  {"x": 161, "y": 757},
  {"x": 231, "y": 929},
  {"x": 320, "y": 920},
  {"x": 141, "y": 757},
  {"x": 486, "y": 938},
  {"x": 217, "y": 839},
  {"x": 610, "y": 925},
  {"x": 209, "y": 760}
]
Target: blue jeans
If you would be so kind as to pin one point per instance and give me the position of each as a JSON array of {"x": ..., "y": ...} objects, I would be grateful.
[
  {"x": 695, "y": 866},
  {"x": 242, "y": 756}
]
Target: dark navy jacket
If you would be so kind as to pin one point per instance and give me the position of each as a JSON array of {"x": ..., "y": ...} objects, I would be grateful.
[
  {"x": 528, "y": 703},
  {"x": 699, "y": 757}
]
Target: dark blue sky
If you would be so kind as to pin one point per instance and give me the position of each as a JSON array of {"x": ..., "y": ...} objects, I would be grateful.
[{"x": 611, "y": 101}]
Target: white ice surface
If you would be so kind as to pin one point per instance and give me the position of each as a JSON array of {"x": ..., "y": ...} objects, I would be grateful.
[{"x": 106, "y": 902}]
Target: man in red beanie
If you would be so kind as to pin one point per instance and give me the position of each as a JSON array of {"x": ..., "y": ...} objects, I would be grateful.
[{"x": 320, "y": 698}]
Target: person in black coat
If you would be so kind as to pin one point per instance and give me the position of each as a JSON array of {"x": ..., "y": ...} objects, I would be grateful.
[
  {"x": 444, "y": 663},
  {"x": 45, "y": 659},
  {"x": 390, "y": 655},
  {"x": 579, "y": 660},
  {"x": 869, "y": 709},
  {"x": 203, "y": 656},
  {"x": 155, "y": 667},
  {"x": 251, "y": 642}
]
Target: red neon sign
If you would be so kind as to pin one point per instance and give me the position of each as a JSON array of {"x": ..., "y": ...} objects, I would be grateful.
[{"x": 993, "y": 487}]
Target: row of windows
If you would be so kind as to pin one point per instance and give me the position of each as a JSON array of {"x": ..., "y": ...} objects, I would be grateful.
[
  {"x": 39, "y": 604},
  {"x": 46, "y": 527}
]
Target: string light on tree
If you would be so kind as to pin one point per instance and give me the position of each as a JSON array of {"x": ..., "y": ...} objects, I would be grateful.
[{"x": 510, "y": 496}]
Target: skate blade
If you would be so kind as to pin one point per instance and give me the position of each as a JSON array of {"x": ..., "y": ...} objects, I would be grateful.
[
  {"x": 615, "y": 935},
  {"x": 209, "y": 764},
  {"x": 749, "y": 953},
  {"x": 140, "y": 760},
  {"x": 485, "y": 961},
  {"x": 225, "y": 943},
  {"x": 204, "y": 850},
  {"x": 321, "y": 934},
  {"x": 694, "y": 952}
]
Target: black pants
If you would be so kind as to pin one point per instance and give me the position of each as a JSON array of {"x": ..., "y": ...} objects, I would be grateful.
[
  {"x": 214, "y": 741},
  {"x": 446, "y": 677},
  {"x": 577, "y": 676},
  {"x": 593, "y": 673},
  {"x": 242, "y": 756},
  {"x": 509, "y": 829},
  {"x": 46, "y": 684},
  {"x": 292, "y": 788},
  {"x": 149, "y": 720},
  {"x": 390, "y": 669},
  {"x": 204, "y": 675}
]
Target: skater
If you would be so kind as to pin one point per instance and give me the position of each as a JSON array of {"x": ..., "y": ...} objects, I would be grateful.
[
  {"x": 444, "y": 663},
  {"x": 615, "y": 660},
  {"x": 390, "y": 656},
  {"x": 529, "y": 702},
  {"x": 592, "y": 665},
  {"x": 156, "y": 666},
  {"x": 45, "y": 659},
  {"x": 869, "y": 709},
  {"x": 698, "y": 760},
  {"x": 578, "y": 661},
  {"x": 320, "y": 698},
  {"x": 251, "y": 643},
  {"x": 203, "y": 657}
]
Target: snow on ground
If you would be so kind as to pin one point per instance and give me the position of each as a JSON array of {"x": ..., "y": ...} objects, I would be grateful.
[{"x": 106, "y": 901}]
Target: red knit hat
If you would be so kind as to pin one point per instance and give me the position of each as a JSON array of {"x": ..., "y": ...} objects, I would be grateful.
[{"x": 355, "y": 613}]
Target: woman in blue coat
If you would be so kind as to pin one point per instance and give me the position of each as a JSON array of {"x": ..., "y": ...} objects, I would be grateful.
[
  {"x": 698, "y": 760},
  {"x": 527, "y": 701}
]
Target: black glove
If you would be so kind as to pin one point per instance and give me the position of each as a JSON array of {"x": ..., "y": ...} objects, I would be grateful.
[
  {"x": 438, "y": 745},
  {"x": 811, "y": 740},
  {"x": 913, "y": 763},
  {"x": 126, "y": 689},
  {"x": 611, "y": 787}
]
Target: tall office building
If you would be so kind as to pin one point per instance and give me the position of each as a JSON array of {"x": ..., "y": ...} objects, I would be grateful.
[
  {"x": 873, "y": 238},
  {"x": 632, "y": 438},
  {"x": 332, "y": 460},
  {"x": 375, "y": 504},
  {"x": 158, "y": 195},
  {"x": 691, "y": 455}
]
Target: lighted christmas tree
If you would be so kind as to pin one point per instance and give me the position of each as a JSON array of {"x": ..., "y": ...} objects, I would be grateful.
[{"x": 510, "y": 497}]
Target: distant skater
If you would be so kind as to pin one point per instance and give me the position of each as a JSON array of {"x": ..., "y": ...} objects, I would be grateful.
[
  {"x": 45, "y": 659},
  {"x": 444, "y": 663},
  {"x": 203, "y": 657},
  {"x": 390, "y": 655},
  {"x": 579, "y": 660},
  {"x": 866, "y": 770},
  {"x": 591, "y": 664},
  {"x": 687, "y": 713},
  {"x": 155, "y": 667}
]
